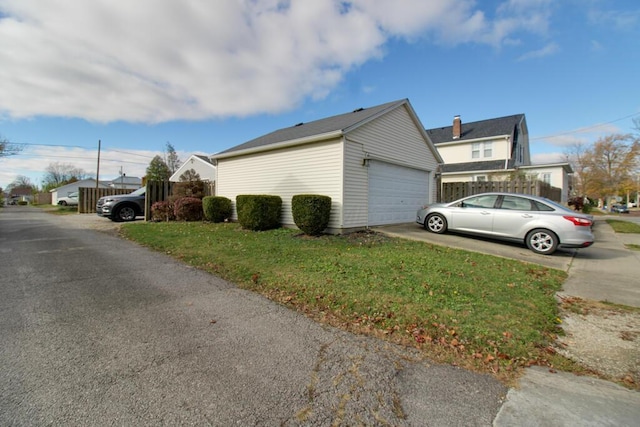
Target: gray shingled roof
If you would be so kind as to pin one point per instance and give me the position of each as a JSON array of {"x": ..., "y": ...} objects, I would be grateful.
[
  {"x": 342, "y": 122},
  {"x": 204, "y": 158},
  {"x": 474, "y": 130},
  {"x": 487, "y": 165}
]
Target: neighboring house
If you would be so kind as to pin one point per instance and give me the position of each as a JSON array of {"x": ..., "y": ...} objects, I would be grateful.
[
  {"x": 202, "y": 165},
  {"x": 65, "y": 190},
  {"x": 126, "y": 182},
  {"x": 493, "y": 150},
  {"x": 377, "y": 165}
]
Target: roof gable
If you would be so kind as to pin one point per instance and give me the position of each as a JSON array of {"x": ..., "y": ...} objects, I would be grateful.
[
  {"x": 476, "y": 130},
  {"x": 336, "y": 124}
]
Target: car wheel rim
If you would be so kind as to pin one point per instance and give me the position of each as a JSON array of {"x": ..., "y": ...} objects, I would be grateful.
[
  {"x": 435, "y": 223},
  {"x": 127, "y": 214},
  {"x": 542, "y": 242}
]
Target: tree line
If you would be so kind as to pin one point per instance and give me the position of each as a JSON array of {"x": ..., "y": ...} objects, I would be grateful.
[
  {"x": 609, "y": 168},
  {"x": 58, "y": 174}
]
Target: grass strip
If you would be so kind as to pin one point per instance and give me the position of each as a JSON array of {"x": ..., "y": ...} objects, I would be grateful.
[{"x": 474, "y": 310}]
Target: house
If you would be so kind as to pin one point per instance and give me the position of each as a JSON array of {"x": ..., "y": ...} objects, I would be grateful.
[
  {"x": 126, "y": 182},
  {"x": 493, "y": 150},
  {"x": 65, "y": 190},
  {"x": 377, "y": 165},
  {"x": 201, "y": 165}
]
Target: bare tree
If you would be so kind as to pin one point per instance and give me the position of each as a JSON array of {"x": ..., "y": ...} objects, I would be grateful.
[
  {"x": 57, "y": 174},
  {"x": 8, "y": 148},
  {"x": 575, "y": 155},
  {"x": 190, "y": 175},
  {"x": 171, "y": 158}
]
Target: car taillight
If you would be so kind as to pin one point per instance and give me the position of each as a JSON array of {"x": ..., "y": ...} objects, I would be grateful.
[{"x": 576, "y": 220}]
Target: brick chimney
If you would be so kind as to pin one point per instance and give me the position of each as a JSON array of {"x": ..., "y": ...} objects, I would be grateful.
[{"x": 457, "y": 127}]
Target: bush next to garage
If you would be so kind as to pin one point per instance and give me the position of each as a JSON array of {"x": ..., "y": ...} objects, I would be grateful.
[
  {"x": 216, "y": 208},
  {"x": 188, "y": 209},
  {"x": 311, "y": 212},
  {"x": 258, "y": 212}
]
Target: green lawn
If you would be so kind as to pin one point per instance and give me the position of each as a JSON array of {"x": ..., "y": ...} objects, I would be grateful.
[
  {"x": 620, "y": 226},
  {"x": 475, "y": 310}
]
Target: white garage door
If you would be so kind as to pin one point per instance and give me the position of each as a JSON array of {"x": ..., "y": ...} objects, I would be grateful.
[{"x": 395, "y": 193}]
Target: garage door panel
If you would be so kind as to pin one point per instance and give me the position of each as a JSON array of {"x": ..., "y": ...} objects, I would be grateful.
[{"x": 395, "y": 193}]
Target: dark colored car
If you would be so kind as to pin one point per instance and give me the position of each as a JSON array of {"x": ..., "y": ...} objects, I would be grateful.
[
  {"x": 619, "y": 209},
  {"x": 122, "y": 207}
]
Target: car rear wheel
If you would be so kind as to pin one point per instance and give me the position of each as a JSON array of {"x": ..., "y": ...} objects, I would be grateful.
[
  {"x": 124, "y": 213},
  {"x": 436, "y": 223},
  {"x": 542, "y": 241}
]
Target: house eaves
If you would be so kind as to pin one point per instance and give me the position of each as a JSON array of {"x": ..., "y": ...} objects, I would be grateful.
[{"x": 476, "y": 167}]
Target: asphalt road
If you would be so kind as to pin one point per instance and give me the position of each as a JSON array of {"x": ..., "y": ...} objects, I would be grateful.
[{"x": 96, "y": 330}]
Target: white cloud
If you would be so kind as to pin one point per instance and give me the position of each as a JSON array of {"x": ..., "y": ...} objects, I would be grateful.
[
  {"x": 548, "y": 50},
  {"x": 159, "y": 60}
]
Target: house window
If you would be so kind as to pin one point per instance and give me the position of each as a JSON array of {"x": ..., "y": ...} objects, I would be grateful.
[
  {"x": 481, "y": 149},
  {"x": 546, "y": 178},
  {"x": 488, "y": 149},
  {"x": 475, "y": 150},
  {"x": 480, "y": 178}
]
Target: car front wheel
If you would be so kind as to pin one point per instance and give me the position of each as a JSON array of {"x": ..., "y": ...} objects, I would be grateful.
[
  {"x": 124, "y": 213},
  {"x": 542, "y": 241},
  {"x": 436, "y": 223},
  {"x": 62, "y": 203}
]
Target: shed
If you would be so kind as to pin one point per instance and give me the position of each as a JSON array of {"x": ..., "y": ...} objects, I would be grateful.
[
  {"x": 65, "y": 190},
  {"x": 202, "y": 165},
  {"x": 377, "y": 164}
]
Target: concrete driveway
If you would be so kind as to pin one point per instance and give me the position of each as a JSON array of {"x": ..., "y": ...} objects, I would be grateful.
[
  {"x": 560, "y": 260},
  {"x": 606, "y": 271}
]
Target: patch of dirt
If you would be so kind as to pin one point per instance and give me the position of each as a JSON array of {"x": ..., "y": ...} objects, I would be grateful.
[{"x": 603, "y": 338}]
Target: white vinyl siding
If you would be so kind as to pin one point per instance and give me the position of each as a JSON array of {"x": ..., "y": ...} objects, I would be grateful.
[
  {"x": 305, "y": 169},
  {"x": 206, "y": 171},
  {"x": 395, "y": 138},
  {"x": 355, "y": 206},
  {"x": 469, "y": 151}
]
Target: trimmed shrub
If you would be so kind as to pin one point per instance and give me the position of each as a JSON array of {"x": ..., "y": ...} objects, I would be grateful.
[
  {"x": 216, "y": 208},
  {"x": 162, "y": 211},
  {"x": 258, "y": 212},
  {"x": 311, "y": 212},
  {"x": 188, "y": 209}
]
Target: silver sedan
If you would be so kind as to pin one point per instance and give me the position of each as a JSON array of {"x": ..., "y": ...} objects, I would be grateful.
[{"x": 539, "y": 223}]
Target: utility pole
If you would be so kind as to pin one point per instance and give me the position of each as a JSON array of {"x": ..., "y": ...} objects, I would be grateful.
[
  {"x": 122, "y": 175},
  {"x": 98, "y": 169}
]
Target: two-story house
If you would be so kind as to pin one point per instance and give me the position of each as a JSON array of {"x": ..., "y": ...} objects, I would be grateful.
[{"x": 493, "y": 150}]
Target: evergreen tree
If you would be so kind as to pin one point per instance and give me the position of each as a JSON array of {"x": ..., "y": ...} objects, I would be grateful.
[{"x": 158, "y": 170}]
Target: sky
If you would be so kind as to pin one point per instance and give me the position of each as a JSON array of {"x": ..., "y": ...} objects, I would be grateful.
[{"x": 204, "y": 76}]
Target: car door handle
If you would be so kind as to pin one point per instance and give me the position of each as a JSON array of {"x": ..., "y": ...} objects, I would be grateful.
[
  {"x": 527, "y": 216},
  {"x": 485, "y": 213}
]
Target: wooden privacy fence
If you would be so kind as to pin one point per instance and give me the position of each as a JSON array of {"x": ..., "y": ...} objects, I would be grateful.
[
  {"x": 158, "y": 191},
  {"x": 455, "y": 190},
  {"x": 88, "y": 197}
]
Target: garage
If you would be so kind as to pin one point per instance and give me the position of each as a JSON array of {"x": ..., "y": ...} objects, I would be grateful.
[{"x": 395, "y": 192}]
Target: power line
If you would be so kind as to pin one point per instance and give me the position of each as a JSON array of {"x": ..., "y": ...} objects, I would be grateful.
[{"x": 584, "y": 129}]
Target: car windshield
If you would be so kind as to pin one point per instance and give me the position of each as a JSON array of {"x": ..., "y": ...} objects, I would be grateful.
[{"x": 139, "y": 192}]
